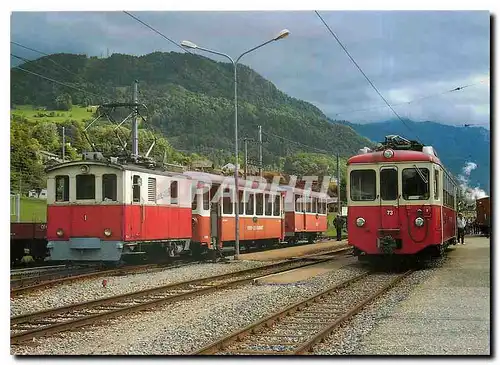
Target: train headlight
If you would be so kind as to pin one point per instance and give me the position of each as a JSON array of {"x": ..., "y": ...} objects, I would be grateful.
[
  {"x": 360, "y": 222},
  {"x": 60, "y": 232},
  {"x": 388, "y": 153},
  {"x": 419, "y": 221},
  {"x": 107, "y": 232}
]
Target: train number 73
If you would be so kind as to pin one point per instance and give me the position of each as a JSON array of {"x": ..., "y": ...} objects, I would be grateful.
[{"x": 390, "y": 212}]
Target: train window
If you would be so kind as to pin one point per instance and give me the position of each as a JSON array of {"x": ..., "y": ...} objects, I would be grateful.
[
  {"x": 227, "y": 205},
  {"x": 109, "y": 187},
  {"x": 174, "y": 192},
  {"x": 389, "y": 184},
  {"x": 277, "y": 206},
  {"x": 436, "y": 184},
  {"x": 151, "y": 189},
  {"x": 136, "y": 189},
  {"x": 194, "y": 203},
  {"x": 249, "y": 205},
  {"x": 62, "y": 188},
  {"x": 298, "y": 204},
  {"x": 241, "y": 202},
  {"x": 314, "y": 206},
  {"x": 269, "y": 204},
  {"x": 320, "y": 206},
  {"x": 85, "y": 187},
  {"x": 206, "y": 200},
  {"x": 363, "y": 185},
  {"x": 416, "y": 184},
  {"x": 259, "y": 204}
]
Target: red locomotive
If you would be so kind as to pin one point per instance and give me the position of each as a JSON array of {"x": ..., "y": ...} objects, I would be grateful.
[
  {"x": 483, "y": 217},
  {"x": 106, "y": 211},
  {"x": 401, "y": 200}
]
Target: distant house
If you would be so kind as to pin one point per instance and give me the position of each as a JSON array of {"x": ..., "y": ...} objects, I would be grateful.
[
  {"x": 229, "y": 167},
  {"x": 47, "y": 157},
  {"x": 34, "y": 194},
  {"x": 203, "y": 165}
]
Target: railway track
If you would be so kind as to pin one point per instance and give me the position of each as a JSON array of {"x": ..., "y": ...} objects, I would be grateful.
[
  {"x": 27, "y": 284},
  {"x": 297, "y": 328},
  {"x": 28, "y": 326}
]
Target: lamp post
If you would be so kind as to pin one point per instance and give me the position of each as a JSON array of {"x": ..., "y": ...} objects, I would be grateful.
[{"x": 284, "y": 33}]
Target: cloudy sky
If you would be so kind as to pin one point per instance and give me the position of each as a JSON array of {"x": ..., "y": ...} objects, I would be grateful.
[{"x": 407, "y": 55}]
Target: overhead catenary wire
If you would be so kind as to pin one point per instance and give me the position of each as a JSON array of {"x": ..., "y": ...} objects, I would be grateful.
[
  {"x": 411, "y": 101},
  {"x": 57, "y": 64},
  {"x": 50, "y": 59},
  {"x": 56, "y": 81},
  {"x": 157, "y": 32},
  {"x": 363, "y": 73}
]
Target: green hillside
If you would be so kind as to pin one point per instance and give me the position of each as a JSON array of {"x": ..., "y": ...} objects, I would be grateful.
[{"x": 190, "y": 101}]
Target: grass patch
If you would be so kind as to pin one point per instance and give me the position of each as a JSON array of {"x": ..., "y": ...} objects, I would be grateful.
[
  {"x": 57, "y": 116},
  {"x": 32, "y": 210}
]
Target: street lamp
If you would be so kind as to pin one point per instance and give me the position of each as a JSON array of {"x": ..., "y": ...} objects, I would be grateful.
[{"x": 187, "y": 44}]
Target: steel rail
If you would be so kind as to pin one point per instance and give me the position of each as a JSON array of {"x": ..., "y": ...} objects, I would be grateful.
[
  {"x": 258, "y": 328},
  {"x": 118, "y": 305}
]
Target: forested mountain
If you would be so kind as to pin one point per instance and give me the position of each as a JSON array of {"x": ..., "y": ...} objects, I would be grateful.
[
  {"x": 455, "y": 145},
  {"x": 190, "y": 101}
]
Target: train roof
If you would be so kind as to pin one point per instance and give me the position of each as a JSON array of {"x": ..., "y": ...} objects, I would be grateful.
[{"x": 399, "y": 156}]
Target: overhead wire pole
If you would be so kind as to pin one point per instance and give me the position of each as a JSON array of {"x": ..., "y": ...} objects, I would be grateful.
[
  {"x": 260, "y": 151},
  {"x": 135, "y": 130}
]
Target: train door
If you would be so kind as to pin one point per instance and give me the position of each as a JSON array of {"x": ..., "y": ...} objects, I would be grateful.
[
  {"x": 389, "y": 198},
  {"x": 138, "y": 213},
  {"x": 214, "y": 218}
]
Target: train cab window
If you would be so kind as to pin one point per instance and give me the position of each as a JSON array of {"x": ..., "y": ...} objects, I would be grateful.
[
  {"x": 363, "y": 185},
  {"x": 389, "y": 183},
  {"x": 269, "y": 204},
  {"x": 415, "y": 184},
  {"x": 174, "y": 192},
  {"x": 109, "y": 187},
  {"x": 249, "y": 205},
  {"x": 206, "y": 200},
  {"x": 62, "y": 188},
  {"x": 136, "y": 188},
  {"x": 314, "y": 207},
  {"x": 320, "y": 206},
  {"x": 277, "y": 205},
  {"x": 85, "y": 187},
  {"x": 436, "y": 184},
  {"x": 151, "y": 189},
  {"x": 259, "y": 204}
]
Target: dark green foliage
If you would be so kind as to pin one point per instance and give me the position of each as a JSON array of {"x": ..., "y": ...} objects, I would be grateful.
[{"x": 190, "y": 101}]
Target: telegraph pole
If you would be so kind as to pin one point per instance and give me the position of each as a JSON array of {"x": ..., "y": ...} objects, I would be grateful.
[
  {"x": 338, "y": 185},
  {"x": 260, "y": 150},
  {"x": 63, "y": 144},
  {"x": 135, "y": 132}
]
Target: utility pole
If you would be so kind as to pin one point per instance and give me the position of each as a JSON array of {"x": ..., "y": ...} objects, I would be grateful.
[
  {"x": 246, "y": 158},
  {"x": 63, "y": 144},
  {"x": 338, "y": 185},
  {"x": 135, "y": 132},
  {"x": 19, "y": 198},
  {"x": 260, "y": 150}
]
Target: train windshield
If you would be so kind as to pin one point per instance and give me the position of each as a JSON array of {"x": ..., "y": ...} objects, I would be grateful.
[
  {"x": 363, "y": 185},
  {"x": 416, "y": 184},
  {"x": 389, "y": 183}
]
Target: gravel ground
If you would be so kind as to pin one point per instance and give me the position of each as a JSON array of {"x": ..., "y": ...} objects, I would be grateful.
[
  {"x": 346, "y": 339},
  {"x": 183, "y": 327},
  {"x": 90, "y": 289}
]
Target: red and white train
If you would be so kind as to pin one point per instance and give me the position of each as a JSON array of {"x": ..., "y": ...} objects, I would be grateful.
[
  {"x": 103, "y": 211},
  {"x": 401, "y": 201}
]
